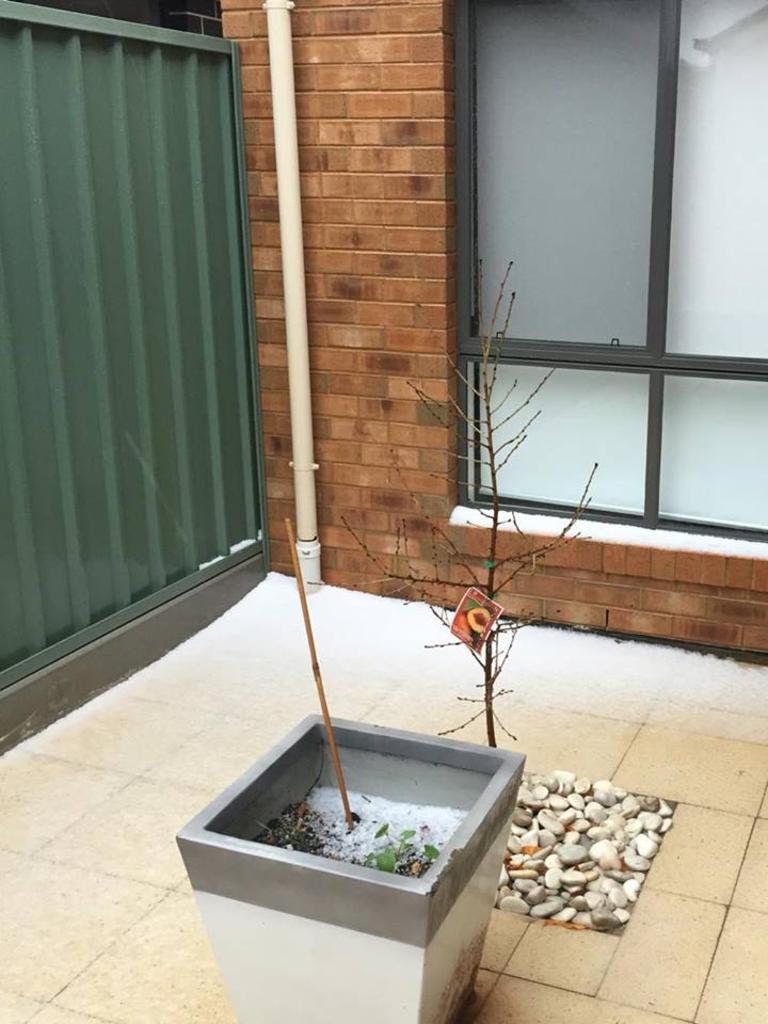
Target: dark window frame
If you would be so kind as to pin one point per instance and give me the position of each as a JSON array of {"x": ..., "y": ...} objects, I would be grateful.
[{"x": 652, "y": 360}]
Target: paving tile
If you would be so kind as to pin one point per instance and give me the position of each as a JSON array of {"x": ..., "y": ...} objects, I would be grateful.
[
  {"x": 567, "y": 959},
  {"x": 125, "y": 734},
  {"x": 514, "y": 1001},
  {"x": 504, "y": 932},
  {"x": 160, "y": 971},
  {"x": 132, "y": 834},
  {"x": 709, "y": 721},
  {"x": 736, "y": 990},
  {"x": 214, "y": 758},
  {"x": 663, "y": 957},
  {"x": 701, "y": 854},
  {"x": 41, "y": 796},
  {"x": 764, "y": 808},
  {"x": 550, "y": 738},
  {"x": 235, "y": 677},
  {"x": 54, "y": 1015},
  {"x": 17, "y": 1009},
  {"x": 57, "y": 919},
  {"x": 9, "y": 861},
  {"x": 424, "y": 710},
  {"x": 751, "y": 890},
  {"x": 723, "y": 684},
  {"x": 484, "y": 985},
  {"x": 724, "y": 774},
  {"x": 225, "y": 692},
  {"x": 605, "y": 675},
  {"x": 553, "y": 739}
]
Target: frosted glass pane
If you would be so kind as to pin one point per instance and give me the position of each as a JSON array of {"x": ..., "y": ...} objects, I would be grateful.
[
  {"x": 718, "y": 297},
  {"x": 566, "y": 107},
  {"x": 586, "y": 416},
  {"x": 714, "y": 461}
]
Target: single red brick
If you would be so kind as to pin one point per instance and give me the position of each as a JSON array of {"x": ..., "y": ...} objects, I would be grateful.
[
  {"x": 738, "y": 573},
  {"x": 713, "y": 569},
  {"x": 760, "y": 578},
  {"x": 622, "y": 620},
  {"x": 755, "y": 638},
  {"x": 674, "y": 602},
  {"x": 607, "y": 595},
  {"x": 575, "y": 613},
  {"x": 737, "y": 611},
  {"x": 347, "y": 77},
  {"x": 687, "y": 566},
  {"x": 540, "y": 585},
  {"x": 638, "y": 561},
  {"x": 662, "y": 564},
  {"x": 721, "y": 634},
  {"x": 615, "y": 559},
  {"x": 521, "y": 607}
]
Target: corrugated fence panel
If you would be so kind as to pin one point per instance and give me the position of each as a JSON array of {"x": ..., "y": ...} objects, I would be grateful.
[{"x": 127, "y": 419}]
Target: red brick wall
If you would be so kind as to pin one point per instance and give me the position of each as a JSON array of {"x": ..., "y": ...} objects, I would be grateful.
[
  {"x": 375, "y": 107},
  {"x": 697, "y": 598}
]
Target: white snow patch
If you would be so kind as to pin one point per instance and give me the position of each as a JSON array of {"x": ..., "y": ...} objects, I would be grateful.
[
  {"x": 618, "y": 533},
  {"x": 251, "y": 665},
  {"x": 241, "y": 544},
  {"x": 234, "y": 548},
  {"x": 433, "y": 825},
  {"x": 213, "y": 561}
]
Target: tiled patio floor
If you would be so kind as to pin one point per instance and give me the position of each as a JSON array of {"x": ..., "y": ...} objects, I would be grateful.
[{"x": 96, "y": 919}]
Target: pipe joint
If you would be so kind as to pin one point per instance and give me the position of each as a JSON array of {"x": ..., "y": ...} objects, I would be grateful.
[
  {"x": 278, "y": 5},
  {"x": 309, "y": 560}
]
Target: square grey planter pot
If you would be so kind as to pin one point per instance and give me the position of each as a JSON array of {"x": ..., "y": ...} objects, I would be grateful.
[{"x": 300, "y": 938}]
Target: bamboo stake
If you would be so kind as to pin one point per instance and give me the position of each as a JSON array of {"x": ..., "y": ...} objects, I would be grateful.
[{"x": 318, "y": 677}]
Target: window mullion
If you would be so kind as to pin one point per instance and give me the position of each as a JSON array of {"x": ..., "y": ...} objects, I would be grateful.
[
  {"x": 653, "y": 449},
  {"x": 663, "y": 171}
]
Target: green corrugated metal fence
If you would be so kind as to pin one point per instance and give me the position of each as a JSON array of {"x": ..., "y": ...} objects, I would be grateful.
[{"x": 128, "y": 459}]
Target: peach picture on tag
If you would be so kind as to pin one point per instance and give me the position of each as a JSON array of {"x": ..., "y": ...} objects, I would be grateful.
[{"x": 474, "y": 619}]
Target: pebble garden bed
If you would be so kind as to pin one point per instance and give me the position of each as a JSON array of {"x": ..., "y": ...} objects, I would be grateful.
[{"x": 578, "y": 851}]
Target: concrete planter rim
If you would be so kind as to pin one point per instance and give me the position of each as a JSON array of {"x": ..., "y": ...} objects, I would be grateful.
[{"x": 418, "y": 905}]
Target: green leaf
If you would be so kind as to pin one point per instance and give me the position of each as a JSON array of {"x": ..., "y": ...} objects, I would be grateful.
[
  {"x": 431, "y": 852},
  {"x": 382, "y": 831},
  {"x": 369, "y": 860},
  {"x": 385, "y": 861},
  {"x": 409, "y": 833},
  {"x": 488, "y": 564}
]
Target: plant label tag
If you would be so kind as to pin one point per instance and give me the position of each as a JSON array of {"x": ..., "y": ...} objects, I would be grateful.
[{"x": 475, "y": 617}]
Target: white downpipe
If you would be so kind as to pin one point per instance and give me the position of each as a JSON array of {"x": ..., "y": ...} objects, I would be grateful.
[{"x": 294, "y": 289}]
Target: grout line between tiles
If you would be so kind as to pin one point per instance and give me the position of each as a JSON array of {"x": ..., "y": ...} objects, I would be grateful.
[
  {"x": 167, "y": 894},
  {"x": 631, "y": 743},
  {"x": 476, "y": 1011},
  {"x": 107, "y": 874},
  {"x": 613, "y": 954},
  {"x": 711, "y": 963},
  {"x": 85, "y": 1016},
  {"x": 512, "y": 952},
  {"x": 605, "y": 1002},
  {"x": 726, "y": 915},
  {"x": 650, "y": 1013}
]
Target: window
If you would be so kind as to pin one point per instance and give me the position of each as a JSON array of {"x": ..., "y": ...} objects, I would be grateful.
[{"x": 615, "y": 151}]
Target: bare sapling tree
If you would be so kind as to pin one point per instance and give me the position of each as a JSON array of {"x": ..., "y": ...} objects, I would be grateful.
[{"x": 428, "y": 563}]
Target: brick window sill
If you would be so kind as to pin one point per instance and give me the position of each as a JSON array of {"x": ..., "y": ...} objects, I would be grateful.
[{"x": 695, "y": 588}]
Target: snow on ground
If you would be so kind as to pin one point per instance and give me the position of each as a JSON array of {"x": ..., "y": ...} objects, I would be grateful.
[
  {"x": 620, "y": 533},
  {"x": 251, "y": 666}
]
